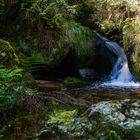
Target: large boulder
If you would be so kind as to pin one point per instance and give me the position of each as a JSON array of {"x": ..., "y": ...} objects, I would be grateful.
[
  {"x": 67, "y": 51},
  {"x": 124, "y": 113}
]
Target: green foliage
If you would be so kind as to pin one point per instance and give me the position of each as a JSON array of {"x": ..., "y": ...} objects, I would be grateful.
[
  {"x": 53, "y": 18},
  {"x": 48, "y": 27},
  {"x": 106, "y": 15},
  {"x": 73, "y": 82},
  {"x": 112, "y": 135},
  {"x": 10, "y": 85},
  {"x": 31, "y": 63},
  {"x": 133, "y": 131},
  {"x": 36, "y": 58},
  {"x": 44, "y": 31},
  {"x": 54, "y": 103},
  {"x": 79, "y": 38},
  {"x": 30, "y": 91}
]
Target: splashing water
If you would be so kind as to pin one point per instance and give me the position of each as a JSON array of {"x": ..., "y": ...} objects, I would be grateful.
[
  {"x": 123, "y": 75},
  {"x": 120, "y": 75}
]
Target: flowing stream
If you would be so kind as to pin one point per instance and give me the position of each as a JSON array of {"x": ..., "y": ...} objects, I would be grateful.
[{"x": 120, "y": 75}]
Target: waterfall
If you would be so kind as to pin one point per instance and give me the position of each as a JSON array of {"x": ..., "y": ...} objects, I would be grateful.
[{"x": 120, "y": 73}]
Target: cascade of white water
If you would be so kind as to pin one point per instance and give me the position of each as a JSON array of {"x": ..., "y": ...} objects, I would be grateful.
[
  {"x": 120, "y": 74},
  {"x": 120, "y": 71}
]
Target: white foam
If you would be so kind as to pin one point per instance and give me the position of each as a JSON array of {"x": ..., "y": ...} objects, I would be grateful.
[
  {"x": 121, "y": 84},
  {"x": 122, "y": 74}
]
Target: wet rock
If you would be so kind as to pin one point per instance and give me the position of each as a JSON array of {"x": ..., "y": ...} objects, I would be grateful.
[
  {"x": 49, "y": 85},
  {"x": 125, "y": 113},
  {"x": 68, "y": 123},
  {"x": 89, "y": 74}
]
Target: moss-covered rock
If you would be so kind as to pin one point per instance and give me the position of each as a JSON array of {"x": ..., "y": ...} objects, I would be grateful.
[
  {"x": 8, "y": 56},
  {"x": 74, "y": 37},
  {"x": 131, "y": 41},
  {"x": 54, "y": 28},
  {"x": 72, "y": 82},
  {"x": 68, "y": 124},
  {"x": 47, "y": 27},
  {"x": 125, "y": 113}
]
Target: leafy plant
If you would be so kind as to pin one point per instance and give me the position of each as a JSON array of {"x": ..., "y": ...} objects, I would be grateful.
[
  {"x": 112, "y": 135},
  {"x": 32, "y": 62},
  {"x": 30, "y": 91},
  {"x": 10, "y": 85},
  {"x": 54, "y": 103}
]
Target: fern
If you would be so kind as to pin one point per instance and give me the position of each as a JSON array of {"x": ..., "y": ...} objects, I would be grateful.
[
  {"x": 33, "y": 62},
  {"x": 10, "y": 82}
]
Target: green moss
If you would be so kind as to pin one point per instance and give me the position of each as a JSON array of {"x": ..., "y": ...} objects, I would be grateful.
[
  {"x": 68, "y": 125},
  {"x": 131, "y": 41},
  {"x": 8, "y": 56},
  {"x": 79, "y": 38},
  {"x": 63, "y": 116},
  {"x": 72, "y": 37},
  {"x": 74, "y": 82}
]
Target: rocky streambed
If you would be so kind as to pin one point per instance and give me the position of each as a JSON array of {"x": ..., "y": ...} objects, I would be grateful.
[{"x": 58, "y": 113}]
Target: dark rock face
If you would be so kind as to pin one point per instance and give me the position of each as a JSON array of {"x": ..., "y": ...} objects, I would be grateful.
[
  {"x": 89, "y": 74},
  {"x": 90, "y": 67},
  {"x": 104, "y": 58},
  {"x": 95, "y": 62},
  {"x": 68, "y": 66}
]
